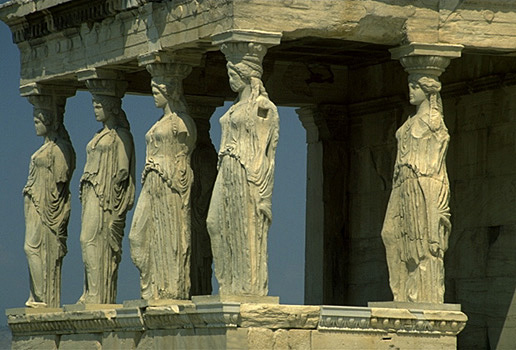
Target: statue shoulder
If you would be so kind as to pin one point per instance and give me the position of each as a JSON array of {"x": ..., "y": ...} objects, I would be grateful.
[
  {"x": 265, "y": 107},
  {"x": 264, "y": 102}
]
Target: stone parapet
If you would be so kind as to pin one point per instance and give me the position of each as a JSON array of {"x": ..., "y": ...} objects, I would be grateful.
[{"x": 237, "y": 325}]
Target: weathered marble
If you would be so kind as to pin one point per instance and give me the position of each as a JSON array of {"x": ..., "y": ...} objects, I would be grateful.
[
  {"x": 224, "y": 325},
  {"x": 107, "y": 192},
  {"x": 160, "y": 235},
  {"x": 417, "y": 222},
  {"x": 240, "y": 210},
  {"x": 47, "y": 201}
]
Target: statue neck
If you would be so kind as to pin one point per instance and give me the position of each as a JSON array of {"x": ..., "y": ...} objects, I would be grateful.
[
  {"x": 50, "y": 136},
  {"x": 423, "y": 108},
  {"x": 244, "y": 94},
  {"x": 110, "y": 123}
]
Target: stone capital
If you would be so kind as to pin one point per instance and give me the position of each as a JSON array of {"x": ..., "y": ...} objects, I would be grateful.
[
  {"x": 191, "y": 57},
  {"x": 251, "y": 45},
  {"x": 307, "y": 116},
  {"x": 47, "y": 96},
  {"x": 107, "y": 82},
  {"x": 169, "y": 70},
  {"x": 427, "y": 59},
  {"x": 33, "y": 89},
  {"x": 322, "y": 122}
]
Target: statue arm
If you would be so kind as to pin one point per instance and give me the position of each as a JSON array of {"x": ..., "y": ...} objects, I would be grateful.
[
  {"x": 261, "y": 172},
  {"x": 125, "y": 150},
  {"x": 61, "y": 164}
]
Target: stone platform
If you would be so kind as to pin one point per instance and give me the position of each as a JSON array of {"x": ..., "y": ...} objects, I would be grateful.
[{"x": 235, "y": 325}]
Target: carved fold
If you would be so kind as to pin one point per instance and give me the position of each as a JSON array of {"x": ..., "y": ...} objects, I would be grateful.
[
  {"x": 240, "y": 212},
  {"x": 160, "y": 236},
  {"x": 47, "y": 201},
  {"x": 107, "y": 189},
  {"x": 417, "y": 222}
]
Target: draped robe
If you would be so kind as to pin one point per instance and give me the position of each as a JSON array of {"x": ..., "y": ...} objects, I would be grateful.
[
  {"x": 240, "y": 211},
  {"x": 107, "y": 193},
  {"x": 160, "y": 233},
  {"x": 47, "y": 211},
  {"x": 417, "y": 222}
]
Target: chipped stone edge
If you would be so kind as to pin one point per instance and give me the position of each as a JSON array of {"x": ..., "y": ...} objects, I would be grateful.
[{"x": 229, "y": 315}]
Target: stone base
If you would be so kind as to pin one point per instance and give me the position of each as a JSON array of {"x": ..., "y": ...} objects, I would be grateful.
[
  {"x": 91, "y": 307},
  {"x": 232, "y": 325},
  {"x": 242, "y": 299},
  {"x": 30, "y": 310},
  {"x": 413, "y": 306},
  {"x": 155, "y": 302}
]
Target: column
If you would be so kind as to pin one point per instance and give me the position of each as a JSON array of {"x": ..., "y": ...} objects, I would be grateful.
[
  {"x": 327, "y": 237},
  {"x": 240, "y": 210},
  {"x": 47, "y": 194},
  {"x": 160, "y": 236},
  {"x": 107, "y": 186},
  {"x": 314, "y": 238},
  {"x": 204, "y": 166},
  {"x": 417, "y": 222}
]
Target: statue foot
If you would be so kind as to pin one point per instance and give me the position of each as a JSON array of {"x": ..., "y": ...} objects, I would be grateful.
[{"x": 35, "y": 304}]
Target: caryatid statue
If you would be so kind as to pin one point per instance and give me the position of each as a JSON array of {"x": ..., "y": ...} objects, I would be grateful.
[
  {"x": 240, "y": 211},
  {"x": 417, "y": 222},
  {"x": 47, "y": 201},
  {"x": 160, "y": 236},
  {"x": 107, "y": 192}
]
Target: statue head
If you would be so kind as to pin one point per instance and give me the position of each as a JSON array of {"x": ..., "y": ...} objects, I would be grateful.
[
  {"x": 244, "y": 63},
  {"x": 430, "y": 84},
  {"x": 109, "y": 108},
  {"x": 167, "y": 84},
  {"x": 427, "y": 87},
  {"x": 48, "y": 113},
  {"x": 165, "y": 90}
]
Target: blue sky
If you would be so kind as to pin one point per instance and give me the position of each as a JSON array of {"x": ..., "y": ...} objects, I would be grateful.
[{"x": 18, "y": 141}]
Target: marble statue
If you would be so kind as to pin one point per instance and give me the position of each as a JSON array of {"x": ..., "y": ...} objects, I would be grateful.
[
  {"x": 417, "y": 222},
  {"x": 160, "y": 236},
  {"x": 47, "y": 202},
  {"x": 240, "y": 210},
  {"x": 107, "y": 193}
]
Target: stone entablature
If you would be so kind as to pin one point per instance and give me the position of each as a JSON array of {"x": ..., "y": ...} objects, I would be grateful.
[
  {"x": 249, "y": 326},
  {"x": 57, "y": 38}
]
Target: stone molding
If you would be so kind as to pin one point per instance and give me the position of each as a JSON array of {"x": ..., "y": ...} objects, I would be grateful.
[
  {"x": 401, "y": 320},
  {"x": 426, "y": 49},
  {"x": 191, "y": 57},
  {"x": 267, "y": 39},
  {"x": 216, "y": 315},
  {"x": 61, "y": 17},
  {"x": 236, "y": 315},
  {"x": 345, "y": 318}
]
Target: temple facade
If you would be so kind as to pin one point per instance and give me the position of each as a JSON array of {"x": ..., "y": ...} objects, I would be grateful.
[{"x": 345, "y": 65}]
